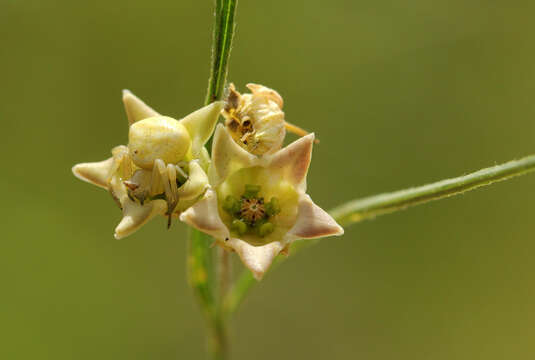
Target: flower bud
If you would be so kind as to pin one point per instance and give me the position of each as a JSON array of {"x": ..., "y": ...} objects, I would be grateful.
[{"x": 255, "y": 121}]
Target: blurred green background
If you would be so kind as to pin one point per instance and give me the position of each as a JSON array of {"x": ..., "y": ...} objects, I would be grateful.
[{"x": 399, "y": 92}]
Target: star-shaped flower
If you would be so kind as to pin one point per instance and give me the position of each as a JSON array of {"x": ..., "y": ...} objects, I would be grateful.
[
  {"x": 162, "y": 171},
  {"x": 257, "y": 205}
]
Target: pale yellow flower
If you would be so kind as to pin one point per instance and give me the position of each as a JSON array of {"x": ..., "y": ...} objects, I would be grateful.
[
  {"x": 162, "y": 171},
  {"x": 255, "y": 121},
  {"x": 257, "y": 205}
]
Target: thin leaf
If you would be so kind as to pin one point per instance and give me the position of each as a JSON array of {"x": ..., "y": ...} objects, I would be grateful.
[{"x": 370, "y": 207}]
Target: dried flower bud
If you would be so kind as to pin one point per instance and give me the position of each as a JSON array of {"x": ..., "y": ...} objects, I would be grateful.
[{"x": 255, "y": 121}]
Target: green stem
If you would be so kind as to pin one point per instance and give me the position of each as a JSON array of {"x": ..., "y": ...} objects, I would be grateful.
[
  {"x": 222, "y": 42},
  {"x": 203, "y": 273},
  {"x": 219, "y": 338},
  {"x": 368, "y": 208},
  {"x": 239, "y": 290},
  {"x": 224, "y": 272}
]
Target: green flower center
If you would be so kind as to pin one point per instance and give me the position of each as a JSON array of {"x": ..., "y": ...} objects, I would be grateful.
[{"x": 250, "y": 213}]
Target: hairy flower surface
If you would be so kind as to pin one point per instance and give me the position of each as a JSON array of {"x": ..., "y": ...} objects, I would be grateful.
[
  {"x": 162, "y": 170},
  {"x": 257, "y": 205}
]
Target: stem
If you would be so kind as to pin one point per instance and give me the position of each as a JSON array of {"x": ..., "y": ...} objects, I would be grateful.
[
  {"x": 368, "y": 208},
  {"x": 221, "y": 45},
  {"x": 201, "y": 276},
  {"x": 239, "y": 290},
  {"x": 224, "y": 272},
  {"x": 202, "y": 270},
  {"x": 219, "y": 338}
]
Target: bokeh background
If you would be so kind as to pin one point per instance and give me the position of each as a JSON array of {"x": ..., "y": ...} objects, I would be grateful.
[{"x": 400, "y": 93}]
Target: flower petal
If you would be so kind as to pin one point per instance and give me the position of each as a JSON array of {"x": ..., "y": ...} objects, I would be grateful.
[
  {"x": 227, "y": 156},
  {"x": 136, "y": 215},
  {"x": 200, "y": 125},
  {"x": 196, "y": 184},
  {"x": 135, "y": 108},
  {"x": 294, "y": 160},
  {"x": 313, "y": 222},
  {"x": 256, "y": 258},
  {"x": 95, "y": 173},
  {"x": 262, "y": 90},
  {"x": 204, "y": 216}
]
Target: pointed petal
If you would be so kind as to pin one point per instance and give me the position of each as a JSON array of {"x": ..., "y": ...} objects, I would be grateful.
[
  {"x": 204, "y": 216},
  {"x": 200, "y": 125},
  {"x": 95, "y": 173},
  {"x": 136, "y": 215},
  {"x": 196, "y": 184},
  {"x": 135, "y": 108},
  {"x": 294, "y": 160},
  {"x": 313, "y": 222},
  {"x": 227, "y": 156},
  {"x": 256, "y": 258}
]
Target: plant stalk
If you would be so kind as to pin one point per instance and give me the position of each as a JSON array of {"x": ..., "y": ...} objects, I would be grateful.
[
  {"x": 370, "y": 207},
  {"x": 205, "y": 276},
  {"x": 221, "y": 46},
  {"x": 219, "y": 349}
]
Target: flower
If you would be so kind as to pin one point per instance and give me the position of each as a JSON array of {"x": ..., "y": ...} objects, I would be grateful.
[
  {"x": 162, "y": 170},
  {"x": 255, "y": 121},
  {"x": 257, "y": 205}
]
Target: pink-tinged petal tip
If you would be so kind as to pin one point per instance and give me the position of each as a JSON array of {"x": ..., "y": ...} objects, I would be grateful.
[
  {"x": 294, "y": 159},
  {"x": 314, "y": 222},
  {"x": 258, "y": 259}
]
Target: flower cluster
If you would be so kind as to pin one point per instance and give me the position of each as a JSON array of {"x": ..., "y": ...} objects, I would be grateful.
[{"x": 250, "y": 195}]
